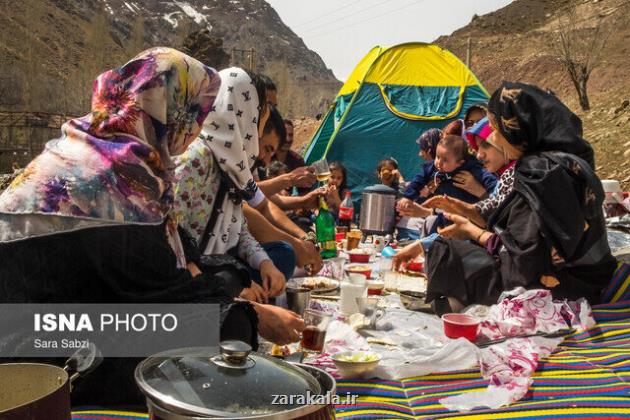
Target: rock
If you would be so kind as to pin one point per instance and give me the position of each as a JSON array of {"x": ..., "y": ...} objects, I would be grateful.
[
  {"x": 626, "y": 144},
  {"x": 626, "y": 153}
]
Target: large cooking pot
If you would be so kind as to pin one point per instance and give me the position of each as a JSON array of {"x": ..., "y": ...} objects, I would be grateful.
[
  {"x": 36, "y": 391},
  {"x": 378, "y": 210},
  {"x": 230, "y": 381}
]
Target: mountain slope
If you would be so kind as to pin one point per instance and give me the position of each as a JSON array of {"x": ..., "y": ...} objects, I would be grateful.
[
  {"x": 51, "y": 51},
  {"x": 514, "y": 43}
]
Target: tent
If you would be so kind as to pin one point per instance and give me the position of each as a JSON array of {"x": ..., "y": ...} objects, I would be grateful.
[{"x": 392, "y": 96}]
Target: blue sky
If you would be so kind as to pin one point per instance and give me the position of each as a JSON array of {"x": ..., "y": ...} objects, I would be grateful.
[{"x": 343, "y": 31}]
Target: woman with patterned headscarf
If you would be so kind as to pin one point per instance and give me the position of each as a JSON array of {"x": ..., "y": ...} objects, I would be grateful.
[
  {"x": 89, "y": 220},
  {"x": 548, "y": 232},
  {"x": 221, "y": 159}
]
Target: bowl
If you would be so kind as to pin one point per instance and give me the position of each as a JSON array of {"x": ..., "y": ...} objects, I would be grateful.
[
  {"x": 364, "y": 269},
  {"x": 375, "y": 287},
  {"x": 360, "y": 255},
  {"x": 460, "y": 325},
  {"x": 414, "y": 301},
  {"x": 356, "y": 364}
]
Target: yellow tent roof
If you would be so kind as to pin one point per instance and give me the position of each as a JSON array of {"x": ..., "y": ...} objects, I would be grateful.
[{"x": 411, "y": 64}]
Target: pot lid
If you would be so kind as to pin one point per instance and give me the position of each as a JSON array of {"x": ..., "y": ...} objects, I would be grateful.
[
  {"x": 380, "y": 189},
  {"x": 223, "y": 381}
]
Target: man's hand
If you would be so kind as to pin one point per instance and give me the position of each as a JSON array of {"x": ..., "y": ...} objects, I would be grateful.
[
  {"x": 303, "y": 177},
  {"x": 415, "y": 210},
  {"x": 311, "y": 200},
  {"x": 255, "y": 293},
  {"x": 278, "y": 325},
  {"x": 273, "y": 280},
  {"x": 307, "y": 255},
  {"x": 467, "y": 182},
  {"x": 406, "y": 254}
]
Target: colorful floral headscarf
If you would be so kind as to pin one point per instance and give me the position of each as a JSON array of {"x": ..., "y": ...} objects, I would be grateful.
[{"x": 113, "y": 166}]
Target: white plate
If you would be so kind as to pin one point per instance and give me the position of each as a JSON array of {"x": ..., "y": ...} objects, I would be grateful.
[{"x": 327, "y": 284}]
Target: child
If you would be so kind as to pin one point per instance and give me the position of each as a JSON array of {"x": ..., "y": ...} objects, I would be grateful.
[
  {"x": 451, "y": 160},
  {"x": 337, "y": 187},
  {"x": 387, "y": 172},
  {"x": 409, "y": 227}
]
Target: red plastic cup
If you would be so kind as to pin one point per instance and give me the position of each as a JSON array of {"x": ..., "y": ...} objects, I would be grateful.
[
  {"x": 460, "y": 325},
  {"x": 340, "y": 237},
  {"x": 358, "y": 258}
]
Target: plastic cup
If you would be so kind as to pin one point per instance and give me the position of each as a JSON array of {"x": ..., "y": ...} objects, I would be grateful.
[{"x": 460, "y": 325}]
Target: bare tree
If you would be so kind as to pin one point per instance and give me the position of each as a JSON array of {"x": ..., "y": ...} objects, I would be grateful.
[{"x": 579, "y": 49}]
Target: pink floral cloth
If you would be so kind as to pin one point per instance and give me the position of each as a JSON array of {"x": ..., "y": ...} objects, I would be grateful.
[
  {"x": 509, "y": 366},
  {"x": 534, "y": 311}
]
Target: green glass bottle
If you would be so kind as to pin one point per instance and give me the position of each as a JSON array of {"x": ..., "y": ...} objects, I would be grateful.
[{"x": 325, "y": 230}]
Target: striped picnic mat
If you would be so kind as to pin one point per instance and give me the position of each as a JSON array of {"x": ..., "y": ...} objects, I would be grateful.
[{"x": 587, "y": 377}]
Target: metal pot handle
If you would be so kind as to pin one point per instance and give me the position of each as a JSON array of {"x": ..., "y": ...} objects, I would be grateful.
[{"x": 83, "y": 361}]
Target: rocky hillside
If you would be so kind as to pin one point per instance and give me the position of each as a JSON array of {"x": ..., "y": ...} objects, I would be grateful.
[
  {"x": 516, "y": 43},
  {"x": 51, "y": 50}
]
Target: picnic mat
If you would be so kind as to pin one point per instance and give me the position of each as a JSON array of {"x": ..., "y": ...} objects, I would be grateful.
[{"x": 588, "y": 376}]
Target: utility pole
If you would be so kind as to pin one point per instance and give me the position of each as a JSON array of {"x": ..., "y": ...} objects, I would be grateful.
[
  {"x": 251, "y": 59},
  {"x": 249, "y": 55},
  {"x": 468, "y": 53}
]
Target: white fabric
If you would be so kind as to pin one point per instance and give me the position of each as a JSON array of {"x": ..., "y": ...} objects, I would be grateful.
[
  {"x": 258, "y": 198},
  {"x": 231, "y": 132}
]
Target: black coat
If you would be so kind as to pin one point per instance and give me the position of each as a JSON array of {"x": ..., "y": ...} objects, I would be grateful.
[{"x": 118, "y": 264}]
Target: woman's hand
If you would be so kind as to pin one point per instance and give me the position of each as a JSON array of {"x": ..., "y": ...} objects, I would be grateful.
[
  {"x": 278, "y": 325},
  {"x": 194, "y": 270},
  {"x": 406, "y": 254},
  {"x": 461, "y": 228},
  {"x": 467, "y": 182},
  {"x": 273, "y": 280},
  {"x": 255, "y": 293},
  {"x": 448, "y": 204}
]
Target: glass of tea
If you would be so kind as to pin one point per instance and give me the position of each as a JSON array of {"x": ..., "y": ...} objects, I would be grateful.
[
  {"x": 354, "y": 238},
  {"x": 315, "y": 333}
]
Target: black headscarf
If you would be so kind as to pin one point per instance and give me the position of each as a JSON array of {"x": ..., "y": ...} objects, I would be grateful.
[
  {"x": 556, "y": 175},
  {"x": 536, "y": 121}
]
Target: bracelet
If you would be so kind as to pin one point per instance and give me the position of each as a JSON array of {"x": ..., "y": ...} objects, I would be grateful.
[{"x": 479, "y": 237}]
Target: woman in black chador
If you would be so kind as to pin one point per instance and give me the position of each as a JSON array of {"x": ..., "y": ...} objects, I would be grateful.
[{"x": 548, "y": 233}]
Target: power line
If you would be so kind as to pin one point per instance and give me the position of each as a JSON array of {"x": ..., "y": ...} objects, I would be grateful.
[
  {"x": 345, "y": 16},
  {"x": 308, "y": 22},
  {"x": 368, "y": 19}
]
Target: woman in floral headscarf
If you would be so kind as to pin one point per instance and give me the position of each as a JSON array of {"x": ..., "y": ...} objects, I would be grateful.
[
  {"x": 89, "y": 219},
  {"x": 548, "y": 232}
]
